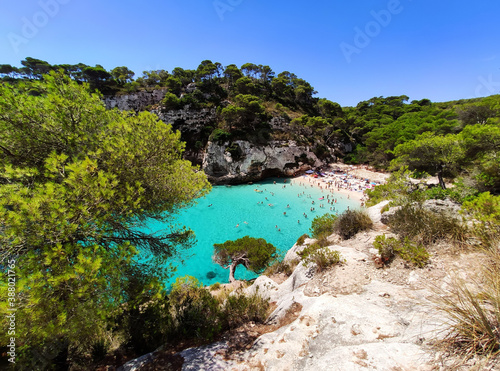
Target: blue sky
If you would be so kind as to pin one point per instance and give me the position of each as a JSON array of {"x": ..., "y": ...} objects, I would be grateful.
[{"x": 348, "y": 50}]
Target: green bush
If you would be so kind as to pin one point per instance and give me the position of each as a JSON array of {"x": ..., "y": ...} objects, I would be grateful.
[
  {"x": 171, "y": 102},
  {"x": 389, "y": 247},
  {"x": 350, "y": 222},
  {"x": 415, "y": 254},
  {"x": 235, "y": 150},
  {"x": 219, "y": 135},
  {"x": 458, "y": 193},
  {"x": 280, "y": 266},
  {"x": 485, "y": 211},
  {"x": 322, "y": 225},
  {"x": 426, "y": 227},
  {"x": 321, "y": 256},
  {"x": 302, "y": 239},
  {"x": 398, "y": 188},
  {"x": 194, "y": 312},
  {"x": 240, "y": 308}
]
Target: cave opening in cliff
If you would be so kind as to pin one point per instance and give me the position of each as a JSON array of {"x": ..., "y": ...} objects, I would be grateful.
[{"x": 271, "y": 173}]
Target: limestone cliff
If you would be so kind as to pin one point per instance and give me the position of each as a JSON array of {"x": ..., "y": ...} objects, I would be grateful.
[
  {"x": 243, "y": 161},
  {"x": 237, "y": 160},
  {"x": 138, "y": 101}
]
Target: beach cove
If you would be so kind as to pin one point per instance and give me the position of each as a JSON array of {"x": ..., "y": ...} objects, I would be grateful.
[{"x": 278, "y": 210}]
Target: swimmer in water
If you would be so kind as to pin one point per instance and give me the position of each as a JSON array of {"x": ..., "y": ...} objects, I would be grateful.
[{"x": 237, "y": 225}]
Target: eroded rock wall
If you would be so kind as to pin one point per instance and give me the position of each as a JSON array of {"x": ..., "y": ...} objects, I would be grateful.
[{"x": 254, "y": 162}]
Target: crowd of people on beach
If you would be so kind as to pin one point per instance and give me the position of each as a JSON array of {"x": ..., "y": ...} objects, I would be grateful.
[{"x": 335, "y": 184}]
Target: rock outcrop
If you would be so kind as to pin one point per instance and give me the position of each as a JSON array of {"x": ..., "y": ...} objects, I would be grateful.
[
  {"x": 350, "y": 317},
  {"x": 245, "y": 162},
  {"x": 138, "y": 101}
]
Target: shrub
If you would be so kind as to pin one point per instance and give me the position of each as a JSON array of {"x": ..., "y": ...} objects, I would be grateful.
[
  {"x": 389, "y": 247},
  {"x": 415, "y": 254},
  {"x": 398, "y": 188},
  {"x": 219, "y": 135},
  {"x": 99, "y": 349},
  {"x": 350, "y": 222},
  {"x": 235, "y": 150},
  {"x": 426, "y": 227},
  {"x": 280, "y": 267},
  {"x": 302, "y": 239},
  {"x": 240, "y": 308},
  {"x": 322, "y": 225},
  {"x": 386, "y": 247},
  {"x": 171, "y": 102},
  {"x": 321, "y": 256},
  {"x": 194, "y": 311},
  {"x": 215, "y": 286},
  {"x": 485, "y": 210}
]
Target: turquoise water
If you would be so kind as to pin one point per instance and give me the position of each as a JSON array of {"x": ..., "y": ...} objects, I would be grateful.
[{"x": 237, "y": 211}]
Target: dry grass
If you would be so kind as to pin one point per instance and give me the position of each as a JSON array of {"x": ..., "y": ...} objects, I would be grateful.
[{"x": 472, "y": 308}]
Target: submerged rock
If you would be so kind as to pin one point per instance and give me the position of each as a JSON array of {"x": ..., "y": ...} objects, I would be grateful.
[{"x": 211, "y": 275}]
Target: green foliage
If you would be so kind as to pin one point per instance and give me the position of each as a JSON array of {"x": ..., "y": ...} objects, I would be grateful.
[
  {"x": 194, "y": 312},
  {"x": 427, "y": 227},
  {"x": 220, "y": 136},
  {"x": 280, "y": 266},
  {"x": 247, "y": 113},
  {"x": 77, "y": 184},
  {"x": 171, "y": 102},
  {"x": 485, "y": 212},
  {"x": 322, "y": 256},
  {"x": 398, "y": 188},
  {"x": 413, "y": 253},
  {"x": 240, "y": 308},
  {"x": 351, "y": 222},
  {"x": 322, "y": 225},
  {"x": 301, "y": 239},
  {"x": 389, "y": 247},
  {"x": 458, "y": 193},
  {"x": 254, "y": 254},
  {"x": 440, "y": 155},
  {"x": 235, "y": 150}
]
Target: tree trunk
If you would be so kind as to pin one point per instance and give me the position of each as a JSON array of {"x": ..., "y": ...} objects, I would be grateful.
[
  {"x": 440, "y": 178},
  {"x": 232, "y": 268}
]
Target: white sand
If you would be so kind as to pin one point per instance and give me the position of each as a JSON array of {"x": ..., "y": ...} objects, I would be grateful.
[{"x": 355, "y": 185}]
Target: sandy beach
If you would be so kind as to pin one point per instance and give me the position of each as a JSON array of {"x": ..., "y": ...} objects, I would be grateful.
[{"x": 348, "y": 181}]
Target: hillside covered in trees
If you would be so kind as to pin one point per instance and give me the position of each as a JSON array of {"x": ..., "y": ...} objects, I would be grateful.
[
  {"x": 447, "y": 139},
  {"x": 78, "y": 181}
]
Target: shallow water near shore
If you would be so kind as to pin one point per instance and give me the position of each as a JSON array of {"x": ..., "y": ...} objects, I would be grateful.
[{"x": 256, "y": 210}]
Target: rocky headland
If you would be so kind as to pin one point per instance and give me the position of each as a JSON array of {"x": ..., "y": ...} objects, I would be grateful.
[{"x": 353, "y": 316}]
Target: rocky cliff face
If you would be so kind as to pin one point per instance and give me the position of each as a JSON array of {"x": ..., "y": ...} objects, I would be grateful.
[
  {"x": 242, "y": 161},
  {"x": 138, "y": 101},
  {"x": 230, "y": 162}
]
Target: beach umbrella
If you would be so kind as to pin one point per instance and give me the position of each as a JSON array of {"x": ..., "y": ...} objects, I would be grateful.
[{"x": 309, "y": 172}]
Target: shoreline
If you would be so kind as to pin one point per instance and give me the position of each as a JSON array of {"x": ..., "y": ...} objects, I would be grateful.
[
  {"x": 314, "y": 182},
  {"x": 351, "y": 181}
]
